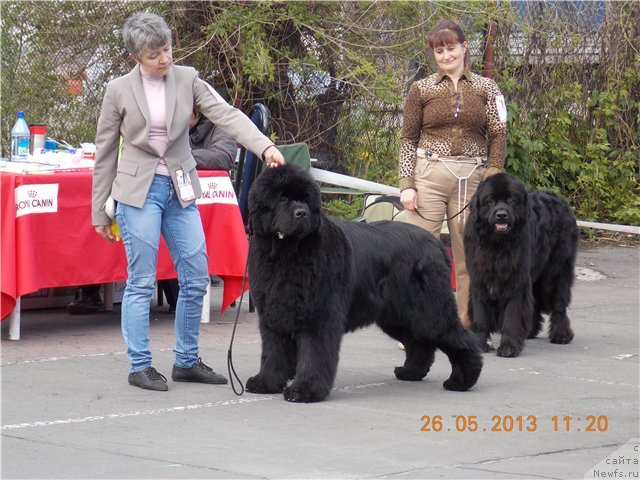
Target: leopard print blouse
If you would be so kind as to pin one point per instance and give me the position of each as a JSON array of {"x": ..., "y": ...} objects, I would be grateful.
[{"x": 438, "y": 119}]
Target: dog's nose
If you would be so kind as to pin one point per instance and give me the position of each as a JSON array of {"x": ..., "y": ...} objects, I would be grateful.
[
  {"x": 502, "y": 215},
  {"x": 300, "y": 213}
]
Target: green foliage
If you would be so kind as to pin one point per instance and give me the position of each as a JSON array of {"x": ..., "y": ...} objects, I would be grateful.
[
  {"x": 56, "y": 60},
  {"x": 335, "y": 75},
  {"x": 346, "y": 208},
  {"x": 372, "y": 147},
  {"x": 571, "y": 142}
]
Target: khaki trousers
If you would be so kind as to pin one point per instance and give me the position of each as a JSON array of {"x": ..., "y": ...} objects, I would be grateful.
[{"x": 441, "y": 195}]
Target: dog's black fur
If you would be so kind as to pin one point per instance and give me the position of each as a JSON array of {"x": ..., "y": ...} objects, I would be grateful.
[
  {"x": 314, "y": 278},
  {"x": 521, "y": 250}
]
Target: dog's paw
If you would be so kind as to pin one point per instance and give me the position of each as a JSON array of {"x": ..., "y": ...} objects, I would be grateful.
[
  {"x": 301, "y": 394},
  {"x": 408, "y": 374},
  {"x": 258, "y": 385},
  {"x": 508, "y": 351},
  {"x": 465, "y": 371},
  {"x": 562, "y": 337},
  {"x": 456, "y": 384}
]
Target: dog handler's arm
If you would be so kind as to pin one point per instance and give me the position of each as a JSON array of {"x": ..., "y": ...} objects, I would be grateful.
[
  {"x": 105, "y": 232},
  {"x": 409, "y": 199},
  {"x": 273, "y": 157},
  {"x": 412, "y": 116},
  {"x": 496, "y": 115}
]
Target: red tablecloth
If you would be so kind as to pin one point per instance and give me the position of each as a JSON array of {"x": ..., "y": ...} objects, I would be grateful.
[{"x": 47, "y": 239}]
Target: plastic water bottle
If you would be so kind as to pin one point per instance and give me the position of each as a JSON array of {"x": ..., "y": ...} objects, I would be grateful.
[{"x": 20, "y": 139}]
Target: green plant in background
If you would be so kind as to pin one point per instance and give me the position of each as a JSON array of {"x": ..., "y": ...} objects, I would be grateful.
[
  {"x": 347, "y": 208},
  {"x": 609, "y": 177},
  {"x": 582, "y": 145},
  {"x": 56, "y": 59},
  {"x": 335, "y": 75},
  {"x": 372, "y": 146}
]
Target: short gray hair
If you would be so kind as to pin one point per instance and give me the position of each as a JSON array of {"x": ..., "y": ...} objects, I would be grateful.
[{"x": 145, "y": 31}]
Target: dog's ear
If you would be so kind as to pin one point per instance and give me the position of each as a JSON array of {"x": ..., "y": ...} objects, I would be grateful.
[
  {"x": 258, "y": 206},
  {"x": 475, "y": 202},
  {"x": 253, "y": 207},
  {"x": 252, "y": 220},
  {"x": 250, "y": 226},
  {"x": 527, "y": 204},
  {"x": 319, "y": 221}
]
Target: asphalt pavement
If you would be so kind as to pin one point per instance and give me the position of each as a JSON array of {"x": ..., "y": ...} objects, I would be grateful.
[{"x": 554, "y": 412}]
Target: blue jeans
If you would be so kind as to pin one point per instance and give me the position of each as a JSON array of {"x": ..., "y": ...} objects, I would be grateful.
[{"x": 181, "y": 229}]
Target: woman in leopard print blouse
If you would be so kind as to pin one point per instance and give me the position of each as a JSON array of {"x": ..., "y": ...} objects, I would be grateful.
[{"x": 453, "y": 136}]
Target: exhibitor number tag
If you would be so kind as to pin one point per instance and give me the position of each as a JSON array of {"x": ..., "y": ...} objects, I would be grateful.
[
  {"x": 501, "y": 106},
  {"x": 184, "y": 186}
]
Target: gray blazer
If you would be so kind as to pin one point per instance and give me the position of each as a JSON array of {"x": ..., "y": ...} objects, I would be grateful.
[{"x": 125, "y": 114}]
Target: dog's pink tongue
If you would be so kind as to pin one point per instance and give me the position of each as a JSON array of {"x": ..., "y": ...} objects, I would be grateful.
[{"x": 501, "y": 227}]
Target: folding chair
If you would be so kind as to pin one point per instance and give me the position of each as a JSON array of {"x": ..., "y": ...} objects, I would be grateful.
[
  {"x": 380, "y": 207},
  {"x": 296, "y": 154}
]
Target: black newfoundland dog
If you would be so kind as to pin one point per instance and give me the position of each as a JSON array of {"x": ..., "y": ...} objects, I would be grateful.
[
  {"x": 313, "y": 279},
  {"x": 521, "y": 250}
]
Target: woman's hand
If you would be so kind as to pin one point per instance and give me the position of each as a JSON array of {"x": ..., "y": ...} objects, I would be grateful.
[
  {"x": 409, "y": 199},
  {"x": 273, "y": 157},
  {"x": 105, "y": 232}
]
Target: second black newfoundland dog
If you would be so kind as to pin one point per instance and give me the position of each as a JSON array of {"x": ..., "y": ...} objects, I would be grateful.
[
  {"x": 521, "y": 251},
  {"x": 314, "y": 278}
]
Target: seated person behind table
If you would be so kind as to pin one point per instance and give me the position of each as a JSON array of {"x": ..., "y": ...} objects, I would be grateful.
[{"x": 213, "y": 149}]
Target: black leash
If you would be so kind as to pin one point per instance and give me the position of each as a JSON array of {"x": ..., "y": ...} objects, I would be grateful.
[
  {"x": 230, "y": 367},
  {"x": 446, "y": 219},
  {"x": 395, "y": 200}
]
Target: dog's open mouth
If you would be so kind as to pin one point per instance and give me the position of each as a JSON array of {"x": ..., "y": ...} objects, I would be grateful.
[{"x": 502, "y": 227}]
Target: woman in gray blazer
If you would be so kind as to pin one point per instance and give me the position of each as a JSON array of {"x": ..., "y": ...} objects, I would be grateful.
[{"x": 144, "y": 162}]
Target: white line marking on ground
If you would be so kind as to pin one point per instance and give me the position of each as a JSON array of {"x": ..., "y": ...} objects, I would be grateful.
[
  {"x": 624, "y": 356},
  {"x": 576, "y": 379},
  {"x": 105, "y": 354},
  {"x": 57, "y": 359},
  {"x": 115, "y": 416},
  {"x": 156, "y": 411}
]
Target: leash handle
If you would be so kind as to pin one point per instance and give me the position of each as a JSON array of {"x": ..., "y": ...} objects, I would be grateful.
[
  {"x": 233, "y": 374},
  {"x": 230, "y": 368}
]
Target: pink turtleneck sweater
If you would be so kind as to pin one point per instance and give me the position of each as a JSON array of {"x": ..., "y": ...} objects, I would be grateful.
[{"x": 156, "y": 102}]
